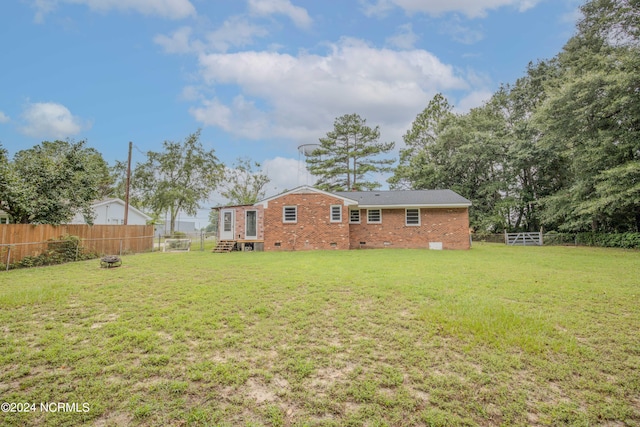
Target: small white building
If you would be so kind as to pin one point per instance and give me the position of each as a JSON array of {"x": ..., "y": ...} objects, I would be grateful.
[
  {"x": 111, "y": 212},
  {"x": 4, "y": 217}
]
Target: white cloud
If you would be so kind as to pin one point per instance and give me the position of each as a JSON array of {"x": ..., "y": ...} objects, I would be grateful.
[
  {"x": 373, "y": 8},
  {"x": 305, "y": 93},
  {"x": 474, "y": 99},
  {"x": 297, "y": 14},
  {"x": 470, "y": 8},
  {"x": 51, "y": 120},
  {"x": 405, "y": 38},
  {"x": 191, "y": 93},
  {"x": 236, "y": 31},
  {"x": 4, "y": 118},
  {"x": 286, "y": 174},
  {"x": 461, "y": 33},
  {"x": 43, "y": 7},
  {"x": 173, "y": 9},
  {"x": 179, "y": 41},
  {"x": 241, "y": 118}
]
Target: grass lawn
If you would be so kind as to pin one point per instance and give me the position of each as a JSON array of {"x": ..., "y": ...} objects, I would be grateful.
[{"x": 495, "y": 335}]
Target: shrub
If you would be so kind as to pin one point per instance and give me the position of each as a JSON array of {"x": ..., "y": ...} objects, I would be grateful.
[
  {"x": 64, "y": 249},
  {"x": 610, "y": 240}
]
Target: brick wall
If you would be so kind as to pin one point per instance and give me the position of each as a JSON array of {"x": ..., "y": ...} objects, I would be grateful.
[
  {"x": 313, "y": 229},
  {"x": 449, "y": 226}
]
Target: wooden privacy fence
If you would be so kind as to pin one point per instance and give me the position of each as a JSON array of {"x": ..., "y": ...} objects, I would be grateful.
[{"x": 20, "y": 240}]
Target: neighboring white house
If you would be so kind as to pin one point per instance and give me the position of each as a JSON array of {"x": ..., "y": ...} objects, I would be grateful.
[
  {"x": 4, "y": 217},
  {"x": 111, "y": 212}
]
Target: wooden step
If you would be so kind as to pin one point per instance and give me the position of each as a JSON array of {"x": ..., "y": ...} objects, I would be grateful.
[{"x": 224, "y": 246}]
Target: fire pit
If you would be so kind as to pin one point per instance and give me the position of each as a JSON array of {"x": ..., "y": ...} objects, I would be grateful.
[{"x": 110, "y": 261}]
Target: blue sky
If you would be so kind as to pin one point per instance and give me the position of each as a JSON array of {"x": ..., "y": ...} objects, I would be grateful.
[{"x": 260, "y": 77}]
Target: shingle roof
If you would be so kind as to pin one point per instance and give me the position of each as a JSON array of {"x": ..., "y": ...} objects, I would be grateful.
[{"x": 406, "y": 198}]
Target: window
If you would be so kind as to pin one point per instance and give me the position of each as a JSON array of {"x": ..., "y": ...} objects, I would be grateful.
[
  {"x": 336, "y": 213},
  {"x": 226, "y": 222},
  {"x": 374, "y": 216},
  {"x": 354, "y": 216},
  {"x": 412, "y": 217},
  {"x": 290, "y": 214}
]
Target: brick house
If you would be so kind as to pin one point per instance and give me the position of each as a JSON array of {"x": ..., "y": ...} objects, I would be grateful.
[{"x": 306, "y": 218}]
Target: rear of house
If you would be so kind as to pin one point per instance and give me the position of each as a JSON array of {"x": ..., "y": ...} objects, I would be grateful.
[
  {"x": 307, "y": 218},
  {"x": 435, "y": 219}
]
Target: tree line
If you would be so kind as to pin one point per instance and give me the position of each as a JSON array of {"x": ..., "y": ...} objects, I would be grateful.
[
  {"x": 53, "y": 181},
  {"x": 559, "y": 149}
]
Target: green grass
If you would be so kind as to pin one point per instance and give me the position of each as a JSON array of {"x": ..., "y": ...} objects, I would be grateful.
[{"x": 493, "y": 336}]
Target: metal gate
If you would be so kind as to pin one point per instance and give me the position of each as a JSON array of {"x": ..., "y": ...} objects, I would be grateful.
[{"x": 523, "y": 239}]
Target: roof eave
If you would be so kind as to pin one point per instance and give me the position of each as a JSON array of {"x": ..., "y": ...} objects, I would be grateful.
[
  {"x": 420, "y": 205},
  {"x": 301, "y": 190}
]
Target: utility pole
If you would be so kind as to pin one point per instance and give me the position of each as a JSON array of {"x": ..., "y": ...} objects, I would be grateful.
[{"x": 126, "y": 202}]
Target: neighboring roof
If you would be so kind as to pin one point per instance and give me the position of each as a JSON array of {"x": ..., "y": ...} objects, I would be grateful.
[
  {"x": 305, "y": 189},
  {"x": 407, "y": 198},
  {"x": 121, "y": 202}
]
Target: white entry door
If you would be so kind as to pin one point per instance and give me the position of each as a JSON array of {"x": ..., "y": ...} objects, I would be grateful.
[
  {"x": 251, "y": 225},
  {"x": 227, "y": 224}
]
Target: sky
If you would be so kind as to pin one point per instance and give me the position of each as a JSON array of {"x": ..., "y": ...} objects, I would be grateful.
[{"x": 258, "y": 77}]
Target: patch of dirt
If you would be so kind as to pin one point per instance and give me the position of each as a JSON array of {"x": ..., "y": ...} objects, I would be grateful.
[
  {"x": 165, "y": 336},
  {"x": 259, "y": 392},
  {"x": 326, "y": 377},
  {"x": 113, "y": 419},
  {"x": 280, "y": 383},
  {"x": 112, "y": 317},
  {"x": 422, "y": 395},
  {"x": 148, "y": 383},
  {"x": 532, "y": 419}
]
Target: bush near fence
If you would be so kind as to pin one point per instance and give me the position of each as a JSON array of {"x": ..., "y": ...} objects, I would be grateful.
[
  {"x": 18, "y": 241},
  {"x": 607, "y": 240},
  {"x": 610, "y": 240},
  {"x": 66, "y": 249}
]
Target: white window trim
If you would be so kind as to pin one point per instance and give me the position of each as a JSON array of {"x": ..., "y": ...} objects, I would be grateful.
[
  {"x": 331, "y": 213},
  {"x": 374, "y": 222},
  {"x": 359, "y": 216},
  {"x": 284, "y": 217},
  {"x": 406, "y": 217}
]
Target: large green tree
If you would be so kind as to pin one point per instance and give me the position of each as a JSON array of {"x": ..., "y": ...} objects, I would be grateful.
[
  {"x": 348, "y": 156},
  {"x": 51, "y": 182},
  {"x": 462, "y": 152},
  {"x": 532, "y": 170},
  {"x": 177, "y": 178},
  {"x": 419, "y": 141},
  {"x": 244, "y": 184},
  {"x": 558, "y": 149},
  {"x": 592, "y": 118}
]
